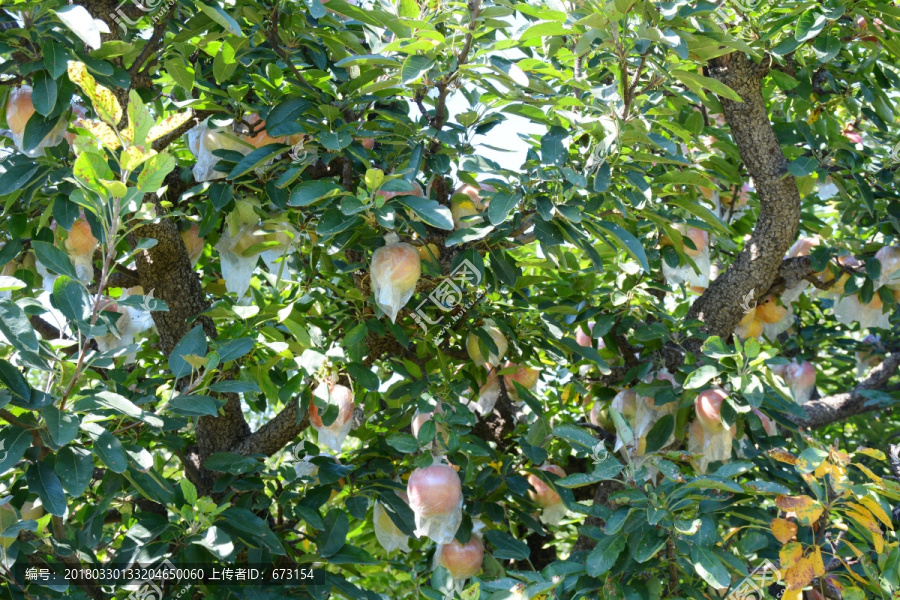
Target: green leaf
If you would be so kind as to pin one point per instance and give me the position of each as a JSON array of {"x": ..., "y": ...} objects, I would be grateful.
[
  {"x": 506, "y": 547},
  {"x": 334, "y": 534},
  {"x": 75, "y": 467},
  {"x": 107, "y": 448},
  {"x": 256, "y": 159},
  {"x": 414, "y": 67},
  {"x": 193, "y": 343},
  {"x": 651, "y": 543},
  {"x": 234, "y": 349},
  {"x": 809, "y": 25},
  {"x": 44, "y": 95},
  {"x": 194, "y": 405},
  {"x": 217, "y": 14},
  {"x": 71, "y": 299},
  {"x": 231, "y": 462},
  {"x": 709, "y": 567},
  {"x": 588, "y": 353},
  {"x": 500, "y": 206},
  {"x": 309, "y": 191},
  {"x": 251, "y": 530},
  {"x": 694, "y": 80},
  {"x": 14, "y": 381},
  {"x": 701, "y": 377},
  {"x": 659, "y": 434},
  {"x": 44, "y": 482},
  {"x": 16, "y": 328},
  {"x": 802, "y": 166},
  {"x": 37, "y": 128},
  {"x": 404, "y": 443},
  {"x": 63, "y": 426},
  {"x": 119, "y": 404},
  {"x": 16, "y": 177},
  {"x": 154, "y": 172},
  {"x": 627, "y": 241},
  {"x": 430, "y": 211},
  {"x": 14, "y": 441},
  {"x": 604, "y": 555},
  {"x": 56, "y": 57},
  {"x": 363, "y": 376},
  {"x": 54, "y": 259},
  {"x": 214, "y": 539}
]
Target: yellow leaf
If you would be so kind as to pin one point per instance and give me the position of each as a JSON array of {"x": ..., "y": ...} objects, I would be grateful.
[
  {"x": 798, "y": 576},
  {"x": 876, "y": 510},
  {"x": 102, "y": 98},
  {"x": 876, "y": 454},
  {"x": 807, "y": 510},
  {"x": 790, "y": 555},
  {"x": 783, "y": 456},
  {"x": 817, "y": 563},
  {"x": 102, "y": 132},
  {"x": 783, "y": 530},
  {"x": 823, "y": 470},
  {"x": 792, "y": 595},
  {"x": 133, "y": 156},
  {"x": 871, "y": 475},
  {"x": 863, "y": 518},
  {"x": 168, "y": 125},
  {"x": 839, "y": 457},
  {"x": 852, "y": 573}
]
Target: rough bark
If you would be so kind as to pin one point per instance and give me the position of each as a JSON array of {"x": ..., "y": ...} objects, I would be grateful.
[
  {"x": 838, "y": 407},
  {"x": 165, "y": 269},
  {"x": 276, "y": 434},
  {"x": 758, "y": 264}
]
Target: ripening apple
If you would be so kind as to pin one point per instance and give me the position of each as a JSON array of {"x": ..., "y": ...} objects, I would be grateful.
[
  {"x": 420, "y": 418},
  {"x": 32, "y": 510},
  {"x": 341, "y": 396},
  {"x": 19, "y": 109},
  {"x": 462, "y": 209},
  {"x": 709, "y": 405},
  {"x": 462, "y": 561},
  {"x": 415, "y": 191},
  {"x": 473, "y": 346},
  {"x": 395, "y": 271},
  {"x": 524, "y": 376},
  {"x": 430, "y": 253},
  {"x": 474, "y": 193},
  {"x": 434, "y": 491},
  {"x": 544, "y": 495},
  {"x": 193, "y": 243}
]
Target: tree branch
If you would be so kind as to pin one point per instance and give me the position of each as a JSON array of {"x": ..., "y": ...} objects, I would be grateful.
[
  {"x": 197, "y": 118},
  {"x": 760, "y": 261},
  {"x": 838, "y": 407},
  {"x": 276, "y": 434}
]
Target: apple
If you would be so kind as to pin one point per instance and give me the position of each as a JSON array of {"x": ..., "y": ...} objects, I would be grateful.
[
  {"x": 434, "y": 491},
  {"x": 462, "y": 561},
  {"x": 544, "y": 495}
]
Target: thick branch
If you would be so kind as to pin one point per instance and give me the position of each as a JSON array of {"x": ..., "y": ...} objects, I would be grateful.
[
  {"x": 838, "y": 407},
  {"x": 197, "y": 118},
  {"x": 758, "y": 264},
  {"x": 276, "y": 434}
]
